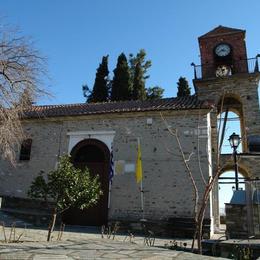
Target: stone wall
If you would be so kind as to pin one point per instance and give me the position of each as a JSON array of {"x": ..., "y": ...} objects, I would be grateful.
[
  {"x": 244, "y": 88},
  {"x": 236, "y": 221},
  {"x": 167, "y": 187}
]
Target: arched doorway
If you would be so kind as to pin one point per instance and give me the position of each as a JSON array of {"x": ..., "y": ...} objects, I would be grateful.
[{"x": 94, "y": 155}]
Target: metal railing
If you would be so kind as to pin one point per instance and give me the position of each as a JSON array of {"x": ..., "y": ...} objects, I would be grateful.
[{"x": 238, "y": 66}]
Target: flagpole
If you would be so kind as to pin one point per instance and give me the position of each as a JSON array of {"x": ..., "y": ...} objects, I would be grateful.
[
  {"x": 109, "y": 194},
  {"x": 111, "y": 175},
  {"x": 141, "y": 186},
  {"x": 142, "y": 198}
]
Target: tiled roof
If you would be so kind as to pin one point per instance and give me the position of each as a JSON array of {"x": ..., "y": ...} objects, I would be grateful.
[
  {"x": 184, "y": 103},
  {"x": 221, "y": 30}
]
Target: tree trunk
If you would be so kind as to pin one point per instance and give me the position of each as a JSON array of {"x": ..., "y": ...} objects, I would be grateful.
[
  {"x": 200, "y": 236},
  {"x": 52, "y": 224},
  {"x": 194, "y": 237},
  {"x": 201, "y": 216}
]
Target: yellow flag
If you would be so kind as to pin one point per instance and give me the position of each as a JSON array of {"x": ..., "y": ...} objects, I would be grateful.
[{"x": 138, "y": 169}]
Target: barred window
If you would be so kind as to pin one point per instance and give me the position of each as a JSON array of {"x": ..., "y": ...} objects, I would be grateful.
[{"x": 25, "y": 152}]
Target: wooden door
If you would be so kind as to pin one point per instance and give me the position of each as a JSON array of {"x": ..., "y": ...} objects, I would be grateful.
[{"x": 94, "y": 158}]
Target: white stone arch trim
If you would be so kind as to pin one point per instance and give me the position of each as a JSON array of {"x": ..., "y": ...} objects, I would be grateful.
[{"x": 106, "y": 137}]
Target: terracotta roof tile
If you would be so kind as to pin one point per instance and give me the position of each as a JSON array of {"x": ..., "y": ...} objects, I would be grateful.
[{"x": 184, "y": 103}]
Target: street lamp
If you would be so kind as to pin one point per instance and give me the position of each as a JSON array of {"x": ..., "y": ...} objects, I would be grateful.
[{"x": 234, "y": 141}]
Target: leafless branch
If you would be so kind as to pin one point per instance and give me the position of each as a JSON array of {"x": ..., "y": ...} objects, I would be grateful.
[
  {"x": 187, "y": 160},
  {"x": 200, "y": 203},
  {"x": 22, "y": 71}
]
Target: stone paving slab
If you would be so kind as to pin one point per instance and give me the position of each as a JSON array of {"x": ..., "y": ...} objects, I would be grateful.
[
  {"x": 111, "y": 250},
  {"x": 85, "y": 246},
  {"x": 81, "y": 243}
]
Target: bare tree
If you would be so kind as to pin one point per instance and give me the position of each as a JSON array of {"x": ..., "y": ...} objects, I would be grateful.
[
  {"x": 200, "y": 202},
  {"x": 22, "y": 71}
]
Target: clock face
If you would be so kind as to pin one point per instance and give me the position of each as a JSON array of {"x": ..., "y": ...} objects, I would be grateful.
[
  {"x": 222, "y": 50},
  {"x": 222, "y": 71}
]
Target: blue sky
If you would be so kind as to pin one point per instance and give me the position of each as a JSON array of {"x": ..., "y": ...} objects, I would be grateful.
[{"x": 74, "y": 35}]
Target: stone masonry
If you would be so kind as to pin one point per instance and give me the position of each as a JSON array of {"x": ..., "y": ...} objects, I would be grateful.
[{"x": 167, "y": 187}]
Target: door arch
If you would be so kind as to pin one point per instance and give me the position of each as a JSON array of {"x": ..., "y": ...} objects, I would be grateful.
[{"x": 94, "y": 155}]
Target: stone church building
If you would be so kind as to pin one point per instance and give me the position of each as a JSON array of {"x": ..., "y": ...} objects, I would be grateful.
[{"x": 226, "y": 80}]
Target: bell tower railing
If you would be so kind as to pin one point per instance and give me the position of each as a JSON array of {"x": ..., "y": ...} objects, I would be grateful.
[{"x": 205, "y": 71}]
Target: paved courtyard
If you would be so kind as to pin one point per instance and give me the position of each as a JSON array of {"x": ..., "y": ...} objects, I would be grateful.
[{"x": 87, "y": 244}]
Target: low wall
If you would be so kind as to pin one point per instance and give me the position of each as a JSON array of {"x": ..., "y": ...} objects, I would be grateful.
[{"x": 173, "y": 227}]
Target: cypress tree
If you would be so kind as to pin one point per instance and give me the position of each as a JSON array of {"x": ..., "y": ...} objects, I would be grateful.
[
  {"x": 100, "y": 88},
  {"x": 139, "y": 92},
  {"x": 121, "y": 85},
  {"x": 153, "y": 93},
  {"x": 138, "y": 70},
  {"x": 183, "y": 87}
]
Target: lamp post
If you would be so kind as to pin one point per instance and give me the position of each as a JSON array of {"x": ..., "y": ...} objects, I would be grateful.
[{"x": 234, "y": 141}]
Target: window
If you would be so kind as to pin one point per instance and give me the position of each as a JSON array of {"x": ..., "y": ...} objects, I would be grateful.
[{"x": 25, "y": 151}]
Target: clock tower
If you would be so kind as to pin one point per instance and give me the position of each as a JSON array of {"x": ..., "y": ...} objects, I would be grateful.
[
  {"x": 229, "y": 79},
  {"x": 223, "y": 52}
]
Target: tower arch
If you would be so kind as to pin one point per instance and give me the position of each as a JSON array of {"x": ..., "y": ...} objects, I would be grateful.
[
  {"x": 231, "y": 119},
  {"x": 242, "y": 169},
  {"x": 230, "y": 100}
]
